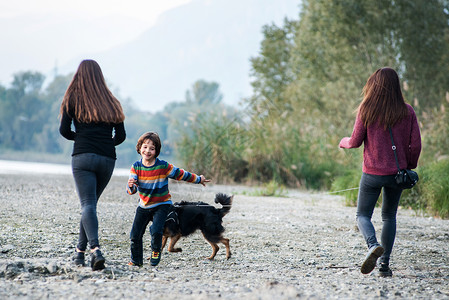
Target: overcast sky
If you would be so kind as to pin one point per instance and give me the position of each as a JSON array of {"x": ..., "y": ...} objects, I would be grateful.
[{"x": 36, "y": 34}]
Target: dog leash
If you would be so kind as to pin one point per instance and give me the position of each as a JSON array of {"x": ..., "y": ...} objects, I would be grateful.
[
  {"x": 326, "y": 193},
  {"x": 355, "y": 188},
  {"x": 174, "y": 219}
]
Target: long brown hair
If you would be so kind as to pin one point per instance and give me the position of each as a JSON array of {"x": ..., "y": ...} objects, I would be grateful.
[
  {"x": 382, "y": 99},
  {"x": 89, "y": 99}
]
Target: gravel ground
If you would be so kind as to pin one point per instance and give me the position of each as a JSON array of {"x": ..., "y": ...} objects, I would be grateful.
[{"x": 303, "y": 246}]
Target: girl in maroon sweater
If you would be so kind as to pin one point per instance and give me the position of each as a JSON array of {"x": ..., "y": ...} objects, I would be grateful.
[{"x": 382, "y": 107}]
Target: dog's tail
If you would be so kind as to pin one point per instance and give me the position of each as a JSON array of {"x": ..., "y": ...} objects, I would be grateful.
[{"x": 225, "y": 201}]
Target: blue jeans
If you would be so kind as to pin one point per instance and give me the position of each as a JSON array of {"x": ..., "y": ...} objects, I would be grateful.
[
  {"x": 143, "y": 216},
  {"x": 370, "y": 188},
  {"x": 92, "y": 173}
]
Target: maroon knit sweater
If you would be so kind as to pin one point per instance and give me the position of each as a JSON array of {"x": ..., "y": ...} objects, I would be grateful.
[{"x": 378, "y": 156}]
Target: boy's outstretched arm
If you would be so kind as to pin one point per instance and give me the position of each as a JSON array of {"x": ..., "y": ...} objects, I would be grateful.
[{"x": 181, "y": 174}]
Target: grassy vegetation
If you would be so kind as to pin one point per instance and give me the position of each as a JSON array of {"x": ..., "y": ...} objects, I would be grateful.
[
  {"x": 303, "y": 101},
  {"x": 272, "y": 189},
  {"x": 434, "y": 188},
  {"x": 349, "y": 180}
]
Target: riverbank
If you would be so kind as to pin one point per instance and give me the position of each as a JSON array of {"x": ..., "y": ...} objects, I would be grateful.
[{"x": 305, "y": 246}]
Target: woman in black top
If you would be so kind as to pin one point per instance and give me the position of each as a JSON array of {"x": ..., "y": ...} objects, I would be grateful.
[{"x": 98, "y": 120}]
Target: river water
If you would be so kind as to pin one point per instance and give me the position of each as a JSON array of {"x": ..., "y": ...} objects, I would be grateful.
[{"x": 18, "y": 167}]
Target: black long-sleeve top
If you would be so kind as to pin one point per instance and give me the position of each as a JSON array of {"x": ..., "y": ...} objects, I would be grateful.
[{"x": 99, "y": 138}]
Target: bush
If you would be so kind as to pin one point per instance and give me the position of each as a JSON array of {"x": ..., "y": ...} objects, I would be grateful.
[
  {"x": 411, "y": 198},
  {"x": 347, "y": 185},
  {"x": 434, "y": 188},
  {"x": 272, "y": 189},
  {"x": 214, "y": 149}
]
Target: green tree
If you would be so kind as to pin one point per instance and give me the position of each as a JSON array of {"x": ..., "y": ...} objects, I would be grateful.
[
  {"x": 309, "y": 75},
  {"x": 48, "y": 139},
  {"x": 270, "y": 137},
  {"x": 272, "y": 70},
  {"x": 215, "y": 148},
  {"x": 22, "y": 103},
  {"x": 4, "y": 113},
  {"x": 176, "y": 121},
  {"x": 203, "y": 97},
  {"x": 203, "y": 92},
  {"x": 422, "y": 35},
  {"x": 195, "y": 130},
  {"x": 336, "y": 46},
  {"x": 137, "y": 123}
]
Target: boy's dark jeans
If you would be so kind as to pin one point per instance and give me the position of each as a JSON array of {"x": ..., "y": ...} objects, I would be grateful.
[
  {"x": 143, "y": 216},
  {"x": 92, "y": 173},
  {"x": 370, "y": 188}
]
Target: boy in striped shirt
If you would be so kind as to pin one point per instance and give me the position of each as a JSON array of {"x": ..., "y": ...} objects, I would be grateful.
[{"x": 149, "y": 176}]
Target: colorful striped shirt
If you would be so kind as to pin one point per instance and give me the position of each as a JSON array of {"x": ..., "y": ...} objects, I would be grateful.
[{"x": 152, "y": 182}]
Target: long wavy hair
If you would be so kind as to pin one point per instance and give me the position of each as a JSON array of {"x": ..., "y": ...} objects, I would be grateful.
[
  {"x": 88, "y": 99},
  {"x": 382, "y": 99}
]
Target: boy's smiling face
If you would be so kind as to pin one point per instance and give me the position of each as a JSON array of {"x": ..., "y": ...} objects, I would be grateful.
[{"x": 148, "y": 152}]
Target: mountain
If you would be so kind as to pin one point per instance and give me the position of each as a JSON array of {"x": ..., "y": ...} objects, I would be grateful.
[{"x": 204, "y": 39}]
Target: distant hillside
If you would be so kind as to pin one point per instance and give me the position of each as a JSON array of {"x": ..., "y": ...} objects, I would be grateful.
[{"x": 205, "y": 39}]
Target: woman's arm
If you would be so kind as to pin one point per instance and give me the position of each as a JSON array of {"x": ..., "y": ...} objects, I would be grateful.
[
  {"x": 357, "y": 137},
  {"x": 65, "y": 128},
  {"x": 120, "y": 134},
  {"x": 415, "y": 144}
]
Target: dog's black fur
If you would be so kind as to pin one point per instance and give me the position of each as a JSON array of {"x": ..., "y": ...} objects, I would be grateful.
[{"x": 187, "y": 217}]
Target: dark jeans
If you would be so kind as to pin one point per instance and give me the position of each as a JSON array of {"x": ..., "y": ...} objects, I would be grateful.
[
  {"x": 370, "y": 188},
  {"x": 92, "y": 173},
  {"x": 143, "y": 216}
]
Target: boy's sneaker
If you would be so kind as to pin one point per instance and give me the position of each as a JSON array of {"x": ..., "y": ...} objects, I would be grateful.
[
  {"x": 385, "y": 271},
  {"x": 133, "y": 264},
  {"x": 97, "y": 260},
  {"x": 371, "y": 258},
  {"x": 78, "y": 258},
  {"x": 155, "y": 258}
]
